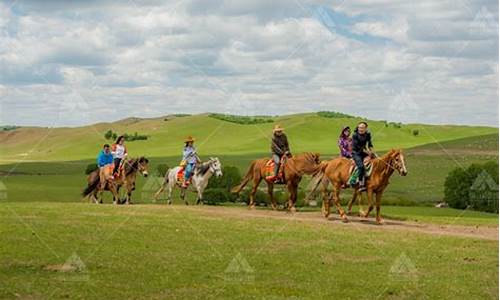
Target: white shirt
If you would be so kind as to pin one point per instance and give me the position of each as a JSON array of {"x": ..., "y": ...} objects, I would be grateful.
[{"x": 119, "y": 151}]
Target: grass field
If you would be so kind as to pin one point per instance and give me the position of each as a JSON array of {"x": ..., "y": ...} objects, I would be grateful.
[
  {"x": 54, "y": 245},
  {"x": 428, "y": 166},
  {"x": 79, "y": 251},
  {"x": 307, "y": 132}
]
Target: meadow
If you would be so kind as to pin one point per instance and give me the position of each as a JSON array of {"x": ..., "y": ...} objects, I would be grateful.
[{"x": 57, "y": 245}]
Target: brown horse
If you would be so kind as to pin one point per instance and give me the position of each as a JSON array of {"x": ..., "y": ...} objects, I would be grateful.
[
  {"x": 336, "y": 171},
  {"x": 294, "y": 168},
  {"x": 126, "y": 178}
]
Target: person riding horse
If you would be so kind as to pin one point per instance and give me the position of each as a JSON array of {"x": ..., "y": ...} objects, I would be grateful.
[
  {"x": 119, "y": 151},
  {"x": 361, "y": 147},
  {"x": 189, "y": 160},
  {"x": 105, "y": 164},
  {"x": 279, "y": 148}
]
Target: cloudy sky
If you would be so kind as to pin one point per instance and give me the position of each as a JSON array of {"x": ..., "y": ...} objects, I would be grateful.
[{"x": 80, "y": 62}]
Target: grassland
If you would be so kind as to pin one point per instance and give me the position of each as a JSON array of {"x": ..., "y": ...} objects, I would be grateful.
[
  {"x": 307, "y": 132},
  {"x": 81, "y": 251}
]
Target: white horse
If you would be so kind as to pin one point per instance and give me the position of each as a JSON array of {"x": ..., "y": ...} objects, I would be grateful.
[{"x": 199, "y": 179}]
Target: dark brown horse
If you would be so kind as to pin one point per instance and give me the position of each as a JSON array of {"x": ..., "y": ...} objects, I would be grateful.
[
  {"x": 126, "y": 178},
  {"x": 336, "y": 172},
  {"x": 294, "y": 168}
]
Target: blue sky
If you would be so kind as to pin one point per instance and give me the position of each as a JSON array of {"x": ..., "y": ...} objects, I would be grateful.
[{"x": 79, "y": 62}]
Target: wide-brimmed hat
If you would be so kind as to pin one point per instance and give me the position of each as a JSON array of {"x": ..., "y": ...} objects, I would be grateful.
[
  {"x": 189, "y": 139},
  {"x": 278, "y": 128}
]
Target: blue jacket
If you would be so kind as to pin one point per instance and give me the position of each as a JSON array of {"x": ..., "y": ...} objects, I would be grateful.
[
  {"x": 189, "y": 155},
  {"x": 104, "y": 159}
]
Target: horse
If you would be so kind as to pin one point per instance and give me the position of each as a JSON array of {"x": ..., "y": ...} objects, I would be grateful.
[
  {"x": 337, "y": 172},
  {"x": 294, "y": 168},
  {"x": 199, "y": 180},
  {"x": 127, "y": 177}
]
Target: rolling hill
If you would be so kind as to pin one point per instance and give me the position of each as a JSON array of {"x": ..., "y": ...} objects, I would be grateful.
[{"x": 307, "y": 132}]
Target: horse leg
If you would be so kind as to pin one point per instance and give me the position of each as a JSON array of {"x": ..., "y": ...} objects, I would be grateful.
[
  {"x": 292, "y": 190},
  {"x": 183, "y": 196},
  {"x": 169, "y": 194},
  {"x": 336, "y": 199},
  {"x": 157, "y": 194},
  {"x": 270, "y": 191},
  {"x": 351, "y": 202},
  {"x": 200, "y": 195},
  {"x": 369, "y": 196},
  {"x": 325, "y": 208},
  {"x": 378, "y": 200},
  {"x": 256, "y": 182}
]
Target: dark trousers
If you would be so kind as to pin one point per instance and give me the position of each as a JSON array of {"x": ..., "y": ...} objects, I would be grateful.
[
  {"x": 117, "y": 162},
  {"x": 358, "y": 159}
]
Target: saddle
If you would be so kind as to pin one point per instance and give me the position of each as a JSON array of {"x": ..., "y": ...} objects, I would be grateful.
[
  {"x": 354, "y": 171},
  {"x": 269, "y": 171},
  {"x": 180, "y": 178}
]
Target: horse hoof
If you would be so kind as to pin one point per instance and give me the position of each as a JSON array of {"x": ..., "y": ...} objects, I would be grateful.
[
  {"x": 345, "y": 220},
  {"x": 380, "y": 222}
]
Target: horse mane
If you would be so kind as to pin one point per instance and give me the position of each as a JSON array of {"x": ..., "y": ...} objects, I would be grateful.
[
  {"x": 383, "y": 162},
  {"x": 203, "y": 167},
  {"x": 131, "y": 166}
]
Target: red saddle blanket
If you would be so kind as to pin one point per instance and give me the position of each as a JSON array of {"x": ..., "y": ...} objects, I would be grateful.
[
  {"x": 269, "y": 172},
  {"x": 180, "y": 177}
]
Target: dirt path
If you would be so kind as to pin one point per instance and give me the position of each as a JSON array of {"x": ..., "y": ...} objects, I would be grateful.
[{"x": 478, "y": 232}]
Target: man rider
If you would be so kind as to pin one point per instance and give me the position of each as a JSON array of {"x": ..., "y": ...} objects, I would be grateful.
[
  {"x": 361, "y": 147},
  {"x": 105, "y": 164},
  {"x": 279, "y": 148}
]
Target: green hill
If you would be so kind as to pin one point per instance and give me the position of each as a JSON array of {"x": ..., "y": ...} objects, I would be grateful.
[{"x": 307, "y": 132}]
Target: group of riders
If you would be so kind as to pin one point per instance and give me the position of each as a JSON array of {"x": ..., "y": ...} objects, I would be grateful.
[{"x": 357, "y": 146}]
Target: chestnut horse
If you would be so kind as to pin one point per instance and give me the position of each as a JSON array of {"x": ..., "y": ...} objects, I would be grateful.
[
  {"x": 126, "y": 178},
  {"x": 294, "y": 168},
  {"x": 336, "y": 171}
]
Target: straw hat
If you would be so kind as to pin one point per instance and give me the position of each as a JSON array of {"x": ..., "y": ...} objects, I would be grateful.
[
  {"x": 189, "y": 139},
  {"x": 278, "y": 127}
]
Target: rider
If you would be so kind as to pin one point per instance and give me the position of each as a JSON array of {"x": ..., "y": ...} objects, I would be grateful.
[
  {"x": 361, "y": 147},
  {"x": 345, "y": 142},
  {"x": 105, "y": 164},
  {"x": 279, "y": 148},
  {"x": 190, "y": 158},
  {"x": 119, "y": 152}
]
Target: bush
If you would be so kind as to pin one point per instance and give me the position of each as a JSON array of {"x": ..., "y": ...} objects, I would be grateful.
[
  {"x": 90, "y": 168},
  {"x": 333, "y": 114},
  {"x": 216, "y": 196},
  {"x": 475, "y": 187},
  {"x": 415, "y": 132},
  {"x": 108, "y": 134},
  {"x": 260, "y": 197},
  {"x": 161, "y": 170},
  {"x": 230, "y": 177},
  {"x": 242, "y": 119}
]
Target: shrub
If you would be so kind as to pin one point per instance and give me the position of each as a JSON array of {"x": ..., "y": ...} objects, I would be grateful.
[
  {"x": 245, "y": 120},
  {"x": 161, "y": 170},
  {"x": 260, "y": 197},
  {"x": 108, "y": 134},
  {"x": 216, "y": 196},
  {"x": 230, "y": 177},
  {"x": 475, "y": 187},
  {"x": 90, "y": 168},
  {"x": 415, "y": 132},
  {"x": 333, "y": 114}
]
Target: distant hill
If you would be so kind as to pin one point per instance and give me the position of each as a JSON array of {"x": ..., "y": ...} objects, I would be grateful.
[{"x": 217, "y": 135}]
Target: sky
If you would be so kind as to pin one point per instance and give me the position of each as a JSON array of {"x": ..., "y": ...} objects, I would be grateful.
[{"x": 70, "y": 63}]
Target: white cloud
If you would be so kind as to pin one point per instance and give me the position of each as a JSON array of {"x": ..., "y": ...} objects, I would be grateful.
[{"x": 267, "y": 56}]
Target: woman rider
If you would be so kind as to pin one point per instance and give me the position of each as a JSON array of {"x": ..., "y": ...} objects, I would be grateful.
[
  {"x": 190, "y": 158},
  {"x": 345, "y": 142},
  {"x": 119, "y": 152}
]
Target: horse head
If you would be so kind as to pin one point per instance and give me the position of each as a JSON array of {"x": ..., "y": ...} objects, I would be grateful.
[
  {"x": 143, "y": 165},
  {"x": 398, "y": 161},
  {"x": 215, "y": 166}
]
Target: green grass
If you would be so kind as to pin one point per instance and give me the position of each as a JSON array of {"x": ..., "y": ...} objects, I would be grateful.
[
  {"x": 428, "y": 167},
  {"x": 159, "y": 252},
  {"x": 306, "y": 132}
]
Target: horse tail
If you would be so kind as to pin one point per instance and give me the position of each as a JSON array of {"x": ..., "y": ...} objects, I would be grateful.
[
  {"x": 246, "y": 179},
  {"x": 316, "y": 180},
  {"x": 91, "y": 186}
]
